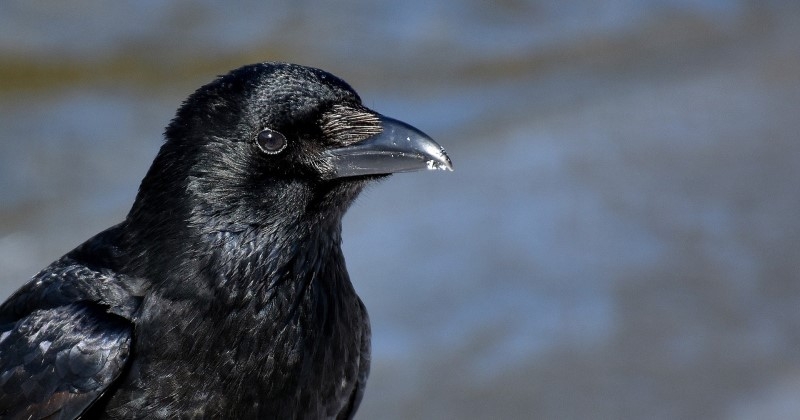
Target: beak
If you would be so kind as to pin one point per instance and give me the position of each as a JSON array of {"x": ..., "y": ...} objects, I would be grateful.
[{"x": 399, "y": 147}]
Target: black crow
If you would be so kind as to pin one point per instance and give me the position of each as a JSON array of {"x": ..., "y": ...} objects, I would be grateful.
[{"x": 224, "y": 292}]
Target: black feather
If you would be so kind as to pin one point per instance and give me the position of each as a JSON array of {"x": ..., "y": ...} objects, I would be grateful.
[{"x": 224, "y": 293}]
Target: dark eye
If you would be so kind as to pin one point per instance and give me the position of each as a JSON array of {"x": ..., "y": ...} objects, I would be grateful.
[{"x": 271, "y": 141}]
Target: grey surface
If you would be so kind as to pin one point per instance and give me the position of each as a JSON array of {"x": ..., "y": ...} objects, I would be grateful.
[{"x": 619, "y": 239}]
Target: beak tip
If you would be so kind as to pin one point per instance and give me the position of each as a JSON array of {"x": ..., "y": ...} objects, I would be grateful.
[{"x": 441, "y": 163}]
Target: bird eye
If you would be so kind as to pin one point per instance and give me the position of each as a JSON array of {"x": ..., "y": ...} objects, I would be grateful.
[{"x": 271, "y": 141}]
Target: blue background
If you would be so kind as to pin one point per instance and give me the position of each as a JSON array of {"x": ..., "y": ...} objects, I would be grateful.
[{"x": 619, "y": 240}]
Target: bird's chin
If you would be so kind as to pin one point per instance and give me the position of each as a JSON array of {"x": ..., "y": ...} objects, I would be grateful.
[
  {"x": 346, "y": 189},
  {"x": 361, "y": 181}
]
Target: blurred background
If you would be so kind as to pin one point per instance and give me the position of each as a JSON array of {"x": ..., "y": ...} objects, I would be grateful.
[{"x": 619, "y": 240}]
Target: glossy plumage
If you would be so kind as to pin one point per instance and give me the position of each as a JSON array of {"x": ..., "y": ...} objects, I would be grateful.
[{"x": 224, "y": 293}]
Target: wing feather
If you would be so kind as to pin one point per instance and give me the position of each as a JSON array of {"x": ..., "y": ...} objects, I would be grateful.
[{"x": 56, "y": 362}]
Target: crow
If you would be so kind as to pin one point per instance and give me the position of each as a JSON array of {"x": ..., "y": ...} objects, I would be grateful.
[{"x": 224, "y": 292}]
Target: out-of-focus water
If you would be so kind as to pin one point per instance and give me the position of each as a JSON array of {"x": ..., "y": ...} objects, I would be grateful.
[{"x": 619, "y": 239}]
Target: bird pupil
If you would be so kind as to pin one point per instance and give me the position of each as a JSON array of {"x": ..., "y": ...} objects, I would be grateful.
[{"x": 271, "y": 141}]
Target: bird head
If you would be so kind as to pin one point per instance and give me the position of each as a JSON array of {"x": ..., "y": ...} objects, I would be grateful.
[{"x": 275, "y": 136}]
